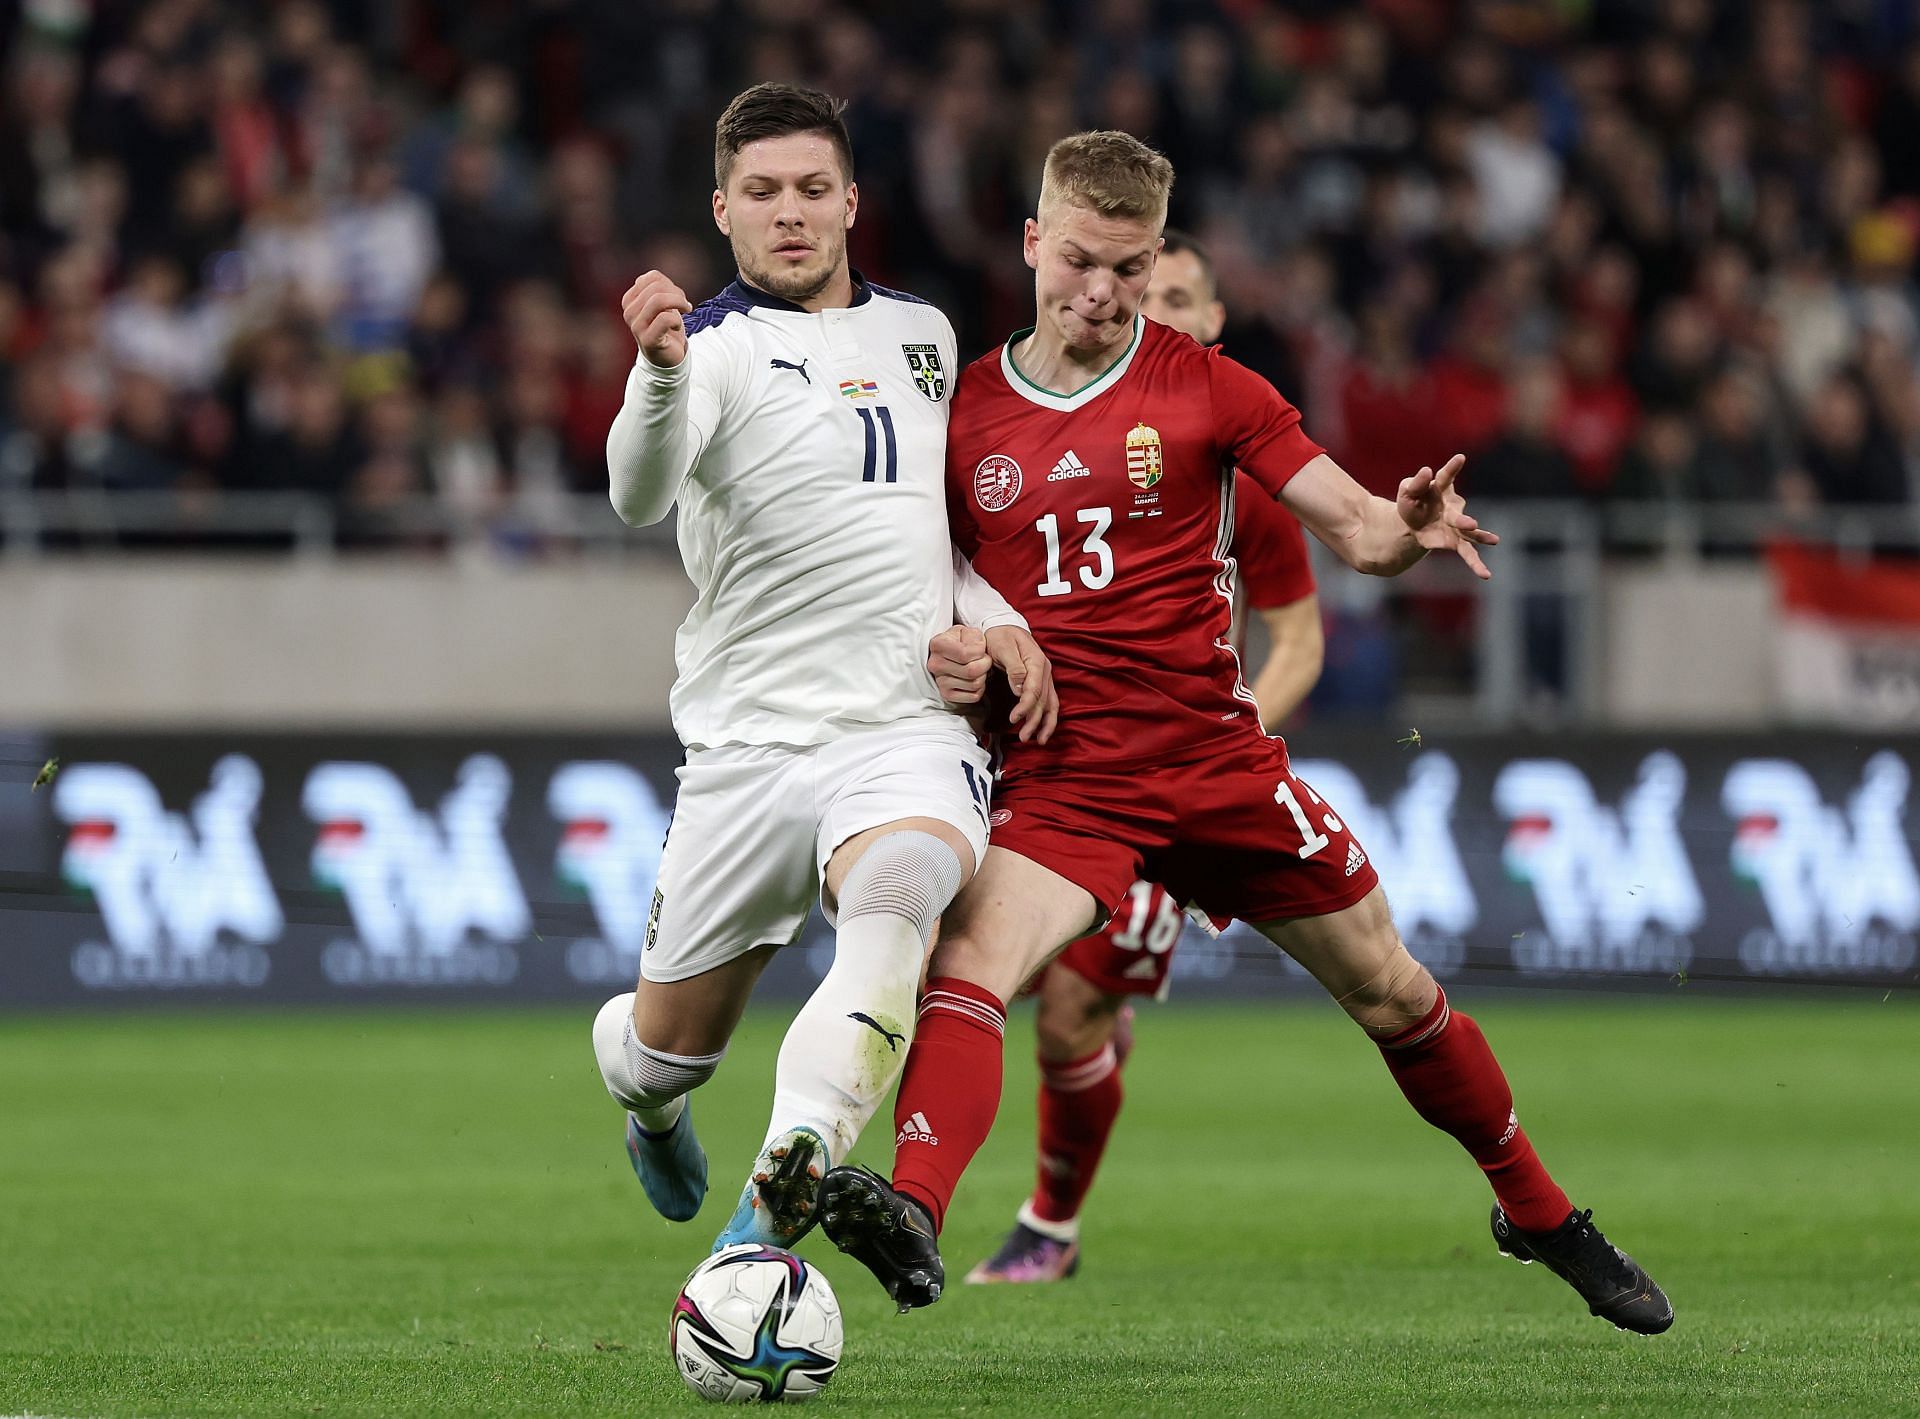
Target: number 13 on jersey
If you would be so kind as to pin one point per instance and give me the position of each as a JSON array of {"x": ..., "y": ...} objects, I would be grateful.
[{"x": 1094, "y": 576}]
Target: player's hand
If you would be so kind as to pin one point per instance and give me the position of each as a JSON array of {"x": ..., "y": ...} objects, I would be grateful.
[
  {"x": 653, "y": 307},
  {"x": 1030, "y": 674},
  {"x": 1438, "y": 517},
  {"x": 958, "y": 661}
]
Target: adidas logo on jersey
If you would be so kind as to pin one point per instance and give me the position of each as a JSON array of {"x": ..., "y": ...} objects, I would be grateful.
[
  {"x": 917, "y": 1130},
  {"x": 1356, "y": 859},
  {"x": 1069, "y": 467}
]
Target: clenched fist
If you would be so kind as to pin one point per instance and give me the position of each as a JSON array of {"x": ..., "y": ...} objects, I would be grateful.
[
  {"x": 960, "y": 659},
  {"x": 653, "y": 307}
]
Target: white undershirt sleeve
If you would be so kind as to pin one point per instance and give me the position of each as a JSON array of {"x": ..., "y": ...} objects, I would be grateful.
[
  {"x": 976, "y": 603},
  {"x": 663, "y": 427}
]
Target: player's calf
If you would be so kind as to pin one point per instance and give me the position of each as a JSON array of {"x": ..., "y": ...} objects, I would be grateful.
[
  {"x": 847, "y": 1045},
  {"x": 652, "y": 1086},
  {"x": 1436, "y": 1054},
  {"x": 1080, "y": 1098}
]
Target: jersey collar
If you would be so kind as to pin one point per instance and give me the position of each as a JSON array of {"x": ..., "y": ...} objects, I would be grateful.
[
  {"x": 758, "y": 299},
  {"x": 1086, "y": 393}
]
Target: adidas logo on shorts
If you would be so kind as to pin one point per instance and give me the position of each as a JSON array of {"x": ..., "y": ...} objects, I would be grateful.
[
  {"x": 1356, "y": 859},
  {"x": 917, "y": 1130}
]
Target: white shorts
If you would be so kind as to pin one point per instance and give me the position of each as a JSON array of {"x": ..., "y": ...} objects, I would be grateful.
[{"x": 754, "y": 826}]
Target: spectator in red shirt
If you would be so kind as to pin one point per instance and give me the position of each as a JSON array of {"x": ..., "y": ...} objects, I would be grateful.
[
  {"x": 1387, "y": 402},
  {"x": 1470, "y": 380},
  {"x": 1598, "y": 412}
]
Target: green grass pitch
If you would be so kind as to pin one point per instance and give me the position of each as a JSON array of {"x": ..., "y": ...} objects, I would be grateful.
[{"x": 431, "y": 1213}]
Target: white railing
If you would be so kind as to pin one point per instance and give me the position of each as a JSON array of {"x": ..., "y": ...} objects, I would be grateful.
[
  {"x": 50, "y": 521},
  {"x": 1550, "y": 571},
  {"x": 308, "y": 524}
]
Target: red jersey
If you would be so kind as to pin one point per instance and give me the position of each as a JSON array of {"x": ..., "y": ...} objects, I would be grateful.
[
  {"x": 1106, "y": 517},
  {"x": 1269, "y": 547}
]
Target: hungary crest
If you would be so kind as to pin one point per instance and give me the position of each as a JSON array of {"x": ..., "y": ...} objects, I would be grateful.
[
  {"x": 1145, "y": 459},
  {"x": 929, "y": 375}
]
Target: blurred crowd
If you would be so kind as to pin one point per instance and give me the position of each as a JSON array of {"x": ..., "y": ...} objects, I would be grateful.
[{"x": 1637, "y": 250}]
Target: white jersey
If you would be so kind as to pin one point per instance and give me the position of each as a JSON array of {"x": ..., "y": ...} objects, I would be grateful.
[{"x": 807, "y": 454}]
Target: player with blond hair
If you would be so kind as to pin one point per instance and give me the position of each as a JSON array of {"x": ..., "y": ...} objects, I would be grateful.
[
  {"x": 1083, "y": 1024},
  {"x": 1160, "y": 769}
]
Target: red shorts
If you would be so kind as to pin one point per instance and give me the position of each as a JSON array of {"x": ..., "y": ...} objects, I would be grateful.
[
  {"x": 1133, "y": 953},
  {"x": 1235, "y": 833}
]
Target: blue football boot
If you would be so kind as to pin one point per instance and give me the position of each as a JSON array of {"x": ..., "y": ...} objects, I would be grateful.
[
  {"x": 671, "y": 1166},
  {"x": 778, "y": 1206}
]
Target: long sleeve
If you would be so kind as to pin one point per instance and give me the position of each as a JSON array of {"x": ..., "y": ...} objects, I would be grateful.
[
  {"x": 976, "y": 603},
  {"x": 656, "y": 438}
]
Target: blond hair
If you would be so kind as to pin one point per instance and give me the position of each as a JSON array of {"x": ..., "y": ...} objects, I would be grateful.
[{"x": 1108, "y": 172}]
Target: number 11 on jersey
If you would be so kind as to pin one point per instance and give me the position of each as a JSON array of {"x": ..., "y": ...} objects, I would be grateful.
[{"x": 873, "y": 422}]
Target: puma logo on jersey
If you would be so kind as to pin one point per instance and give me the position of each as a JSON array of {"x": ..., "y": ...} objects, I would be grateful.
[
  {"x": 799, "y": 369},
  {"x": 893, "y": 1039}
]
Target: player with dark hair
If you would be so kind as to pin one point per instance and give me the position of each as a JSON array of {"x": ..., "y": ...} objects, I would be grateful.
[
  {"x": 1083, "y": 1025},
  {"x": 798, "y": 420},
  {"x": 1160, "y": 769}
]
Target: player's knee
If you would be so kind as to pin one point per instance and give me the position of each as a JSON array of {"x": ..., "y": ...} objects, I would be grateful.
[
  {"x": 1397, "y": 995},
  {"x": 1074, "y": 1018},
  {"x": 908, "y": 874},
  {"x": 637, "y": 1076},
  {"x": 966, "y": 956},
  {"x": 1056, "y": 1031}
]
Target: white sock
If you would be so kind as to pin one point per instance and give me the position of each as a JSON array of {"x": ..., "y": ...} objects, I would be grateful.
[
  {"x": 846, "y": 1048},
  {"x": 648, "y": 1083},
  {"x": 1067, "y": 1231},
  {"x": 662, "y": 1119},
  {"x": 835, "y": 1070}
]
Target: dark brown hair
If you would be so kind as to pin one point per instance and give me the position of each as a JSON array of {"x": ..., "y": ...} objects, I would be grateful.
[
  {"x": 1179, "y": 241},
  {"x": 773, "y": 111}
]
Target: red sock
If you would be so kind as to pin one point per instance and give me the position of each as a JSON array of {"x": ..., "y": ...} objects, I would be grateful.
[
  {"x": 1445, "y": 1068},
  {"x": 1079, "y": 1102},
  {"x": 949, "y": 1091}
]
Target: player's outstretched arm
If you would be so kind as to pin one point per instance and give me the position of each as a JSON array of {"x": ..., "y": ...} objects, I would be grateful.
[
  {"x": 650, "y": 448},
  {"x": 1384, "y": 538}
]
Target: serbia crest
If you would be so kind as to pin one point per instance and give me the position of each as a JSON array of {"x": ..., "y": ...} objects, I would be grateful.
[{"x": 929, "y": 375}]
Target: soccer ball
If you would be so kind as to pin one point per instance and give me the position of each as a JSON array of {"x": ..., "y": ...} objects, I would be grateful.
[{"x": 756, "y": 1323}]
